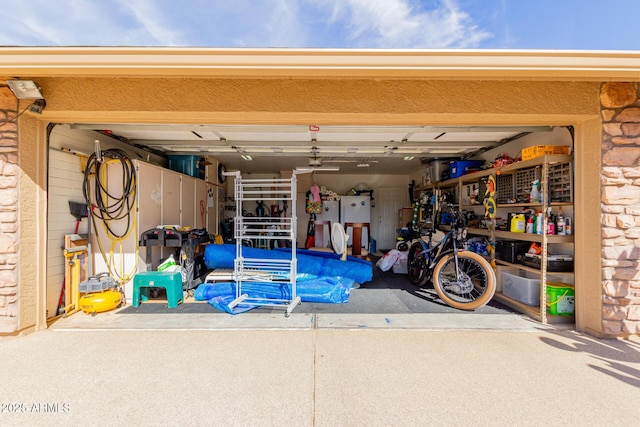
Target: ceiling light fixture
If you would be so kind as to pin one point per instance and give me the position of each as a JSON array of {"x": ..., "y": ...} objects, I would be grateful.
[
  {"x": 363, "y": 165},
  {"x": 246, "y": 157},
  {"x": 307, "y": 169},
  {"x": 409, "y": 157}
]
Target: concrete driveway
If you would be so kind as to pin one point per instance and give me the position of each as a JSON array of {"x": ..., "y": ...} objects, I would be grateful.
[{"x": 317, "y": 375}]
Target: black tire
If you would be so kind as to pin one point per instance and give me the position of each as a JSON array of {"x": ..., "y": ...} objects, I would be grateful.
[
  {"x": 417, "y": 269},
  {"x": 478, "y": 281}
]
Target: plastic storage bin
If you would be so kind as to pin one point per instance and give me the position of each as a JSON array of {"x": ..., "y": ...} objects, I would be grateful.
[
  {"x": 400, "y": 267},
  {"x": 522, "y": 286},
  {"x": 188, "y": 165},
  {"x": 560, "y": 299},
  {"x": 461, "y": 167}
]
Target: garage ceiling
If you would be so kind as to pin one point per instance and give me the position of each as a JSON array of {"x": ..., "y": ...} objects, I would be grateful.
[{"x": 354, "y": 149}]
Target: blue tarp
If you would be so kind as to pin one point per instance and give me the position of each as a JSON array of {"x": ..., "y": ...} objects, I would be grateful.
[
  {"x": 319, "y": 264},
  {"x": 334, "y": 290},
  {"x": 322, "y": 277}
]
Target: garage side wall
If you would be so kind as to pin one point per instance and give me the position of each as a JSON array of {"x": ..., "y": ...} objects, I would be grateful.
[
  {"x": 8, "y": 212},
  {"x": 620, "y": 218}
]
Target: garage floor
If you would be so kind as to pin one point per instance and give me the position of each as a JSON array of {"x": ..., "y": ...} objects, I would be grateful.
[
  {"x": 387, "y": 293},
  {"x": 389, "y": 301}
]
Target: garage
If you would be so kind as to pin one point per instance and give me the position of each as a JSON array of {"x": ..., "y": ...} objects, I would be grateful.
[
  {"x": 362, "y": 115},
  {"x": 379, "y": 166}
]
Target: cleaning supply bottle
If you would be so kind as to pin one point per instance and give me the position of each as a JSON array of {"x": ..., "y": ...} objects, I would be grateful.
[
  {"x": 567, "y": 226},
  {"x": 551, "y": 226},
  {"x": 539, "y": 222},
  {"x": 534, "y": 196},
  {"x": 529, "y": 228},
  {"x": 517, "y": 223},
  {"x": 561, "y": 225}
]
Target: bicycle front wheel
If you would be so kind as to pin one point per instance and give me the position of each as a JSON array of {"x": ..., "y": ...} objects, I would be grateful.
[{"x": 471, "y": 287}]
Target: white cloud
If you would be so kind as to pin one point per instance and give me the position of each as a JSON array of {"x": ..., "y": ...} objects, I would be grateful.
[
  {"x": 251, "y": 23},
  {"x": 401, "y": 24},
  {"x": 84, "y": 22},
  {"x": 152, "y": 23}
]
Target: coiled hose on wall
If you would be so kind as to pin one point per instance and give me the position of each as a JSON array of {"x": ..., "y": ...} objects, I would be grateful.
[{"x": 112, "y": 205}]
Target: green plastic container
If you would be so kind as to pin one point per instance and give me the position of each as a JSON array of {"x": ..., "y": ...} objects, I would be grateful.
[{"x": 560, "y": 299}]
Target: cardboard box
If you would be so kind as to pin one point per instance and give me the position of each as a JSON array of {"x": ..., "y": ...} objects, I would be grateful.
[
  {"x": 542, "y": 150},
  {"x": 405, "y": 215}
]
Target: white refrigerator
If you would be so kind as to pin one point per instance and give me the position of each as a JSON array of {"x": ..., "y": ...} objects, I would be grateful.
[
  {"x": 330, "y": 212},
  {"x": 356, "y": 209}
]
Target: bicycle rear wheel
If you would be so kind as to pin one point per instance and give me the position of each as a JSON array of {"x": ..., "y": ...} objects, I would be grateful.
[
  {"x": 417, "y": 265},
  {"x": 472, "y": 289}
]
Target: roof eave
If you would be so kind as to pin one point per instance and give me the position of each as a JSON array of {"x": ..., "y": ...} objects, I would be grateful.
[{"x": 324, "y": 63}]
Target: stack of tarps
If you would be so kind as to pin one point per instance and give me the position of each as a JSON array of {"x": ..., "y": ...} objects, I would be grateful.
[{"x": 321, "y": 277}]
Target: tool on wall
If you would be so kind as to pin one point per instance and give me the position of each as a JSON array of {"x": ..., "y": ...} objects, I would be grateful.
[
  {"x": 79, "y": 211},
  {"x": 113, "y": 208}
]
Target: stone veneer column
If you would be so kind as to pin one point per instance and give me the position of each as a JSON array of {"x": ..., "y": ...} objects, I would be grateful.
[
  {"x": 620, "y": 219},
  {"x": 8, "y": 211}
]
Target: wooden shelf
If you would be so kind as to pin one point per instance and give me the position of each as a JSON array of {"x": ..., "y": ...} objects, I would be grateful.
[
  {"x": 513, "y": 167},
  {"x": 526, "y": 268},
  {"x": 531, "y": 205},
  {"x": 533, "y": 312},
  {"x": 499, "y": 234}
]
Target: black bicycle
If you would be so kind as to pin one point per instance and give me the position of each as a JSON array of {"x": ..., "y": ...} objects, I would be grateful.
[{"x": 463, "y": 279}]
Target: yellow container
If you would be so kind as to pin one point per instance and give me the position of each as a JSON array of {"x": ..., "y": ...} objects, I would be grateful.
[
  {"x": 97, "y": 302},
  {"x": 518, "y": 223},
  {"x": 541, "y": 150}
]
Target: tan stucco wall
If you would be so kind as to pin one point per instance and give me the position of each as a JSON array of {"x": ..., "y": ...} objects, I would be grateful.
[
  {"x": 32, "y": 220},
  {"x": 321, "y": 101},
  {"x": 347, "y": 101}
]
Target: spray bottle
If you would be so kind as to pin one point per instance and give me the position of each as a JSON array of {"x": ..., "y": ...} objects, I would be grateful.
[
  {"x": 534, "y": 196},
  {"x": 539, "y": 223}
]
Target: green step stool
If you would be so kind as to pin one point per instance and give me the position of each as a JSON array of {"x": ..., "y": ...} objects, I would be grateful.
[{"x": 170, "y": 281}]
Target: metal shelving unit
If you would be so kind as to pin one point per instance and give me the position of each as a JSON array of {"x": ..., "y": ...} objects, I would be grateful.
[
  {"x": 556, "y": 178},
  {"x": 272, "y": 273}
]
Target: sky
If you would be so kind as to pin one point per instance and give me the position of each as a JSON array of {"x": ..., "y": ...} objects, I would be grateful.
[{"x": 351, "y": 24}]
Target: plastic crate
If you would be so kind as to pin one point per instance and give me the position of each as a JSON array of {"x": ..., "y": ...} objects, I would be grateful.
[
  {"x": 460, "y": 167},
  {"x": 542, "y": 150},
  {"x": 188, "y": 165}
]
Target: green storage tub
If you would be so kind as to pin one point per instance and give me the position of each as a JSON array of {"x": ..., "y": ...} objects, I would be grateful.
[{"x": 560, "y": 299}]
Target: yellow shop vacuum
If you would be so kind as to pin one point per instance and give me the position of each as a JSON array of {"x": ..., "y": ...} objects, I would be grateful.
[{"x": 100, "y": 294}]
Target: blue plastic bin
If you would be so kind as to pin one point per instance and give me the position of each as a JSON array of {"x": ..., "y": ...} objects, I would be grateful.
[
  {"x": 188, "y": 165},
  {"x": 460, "y": 167}
]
